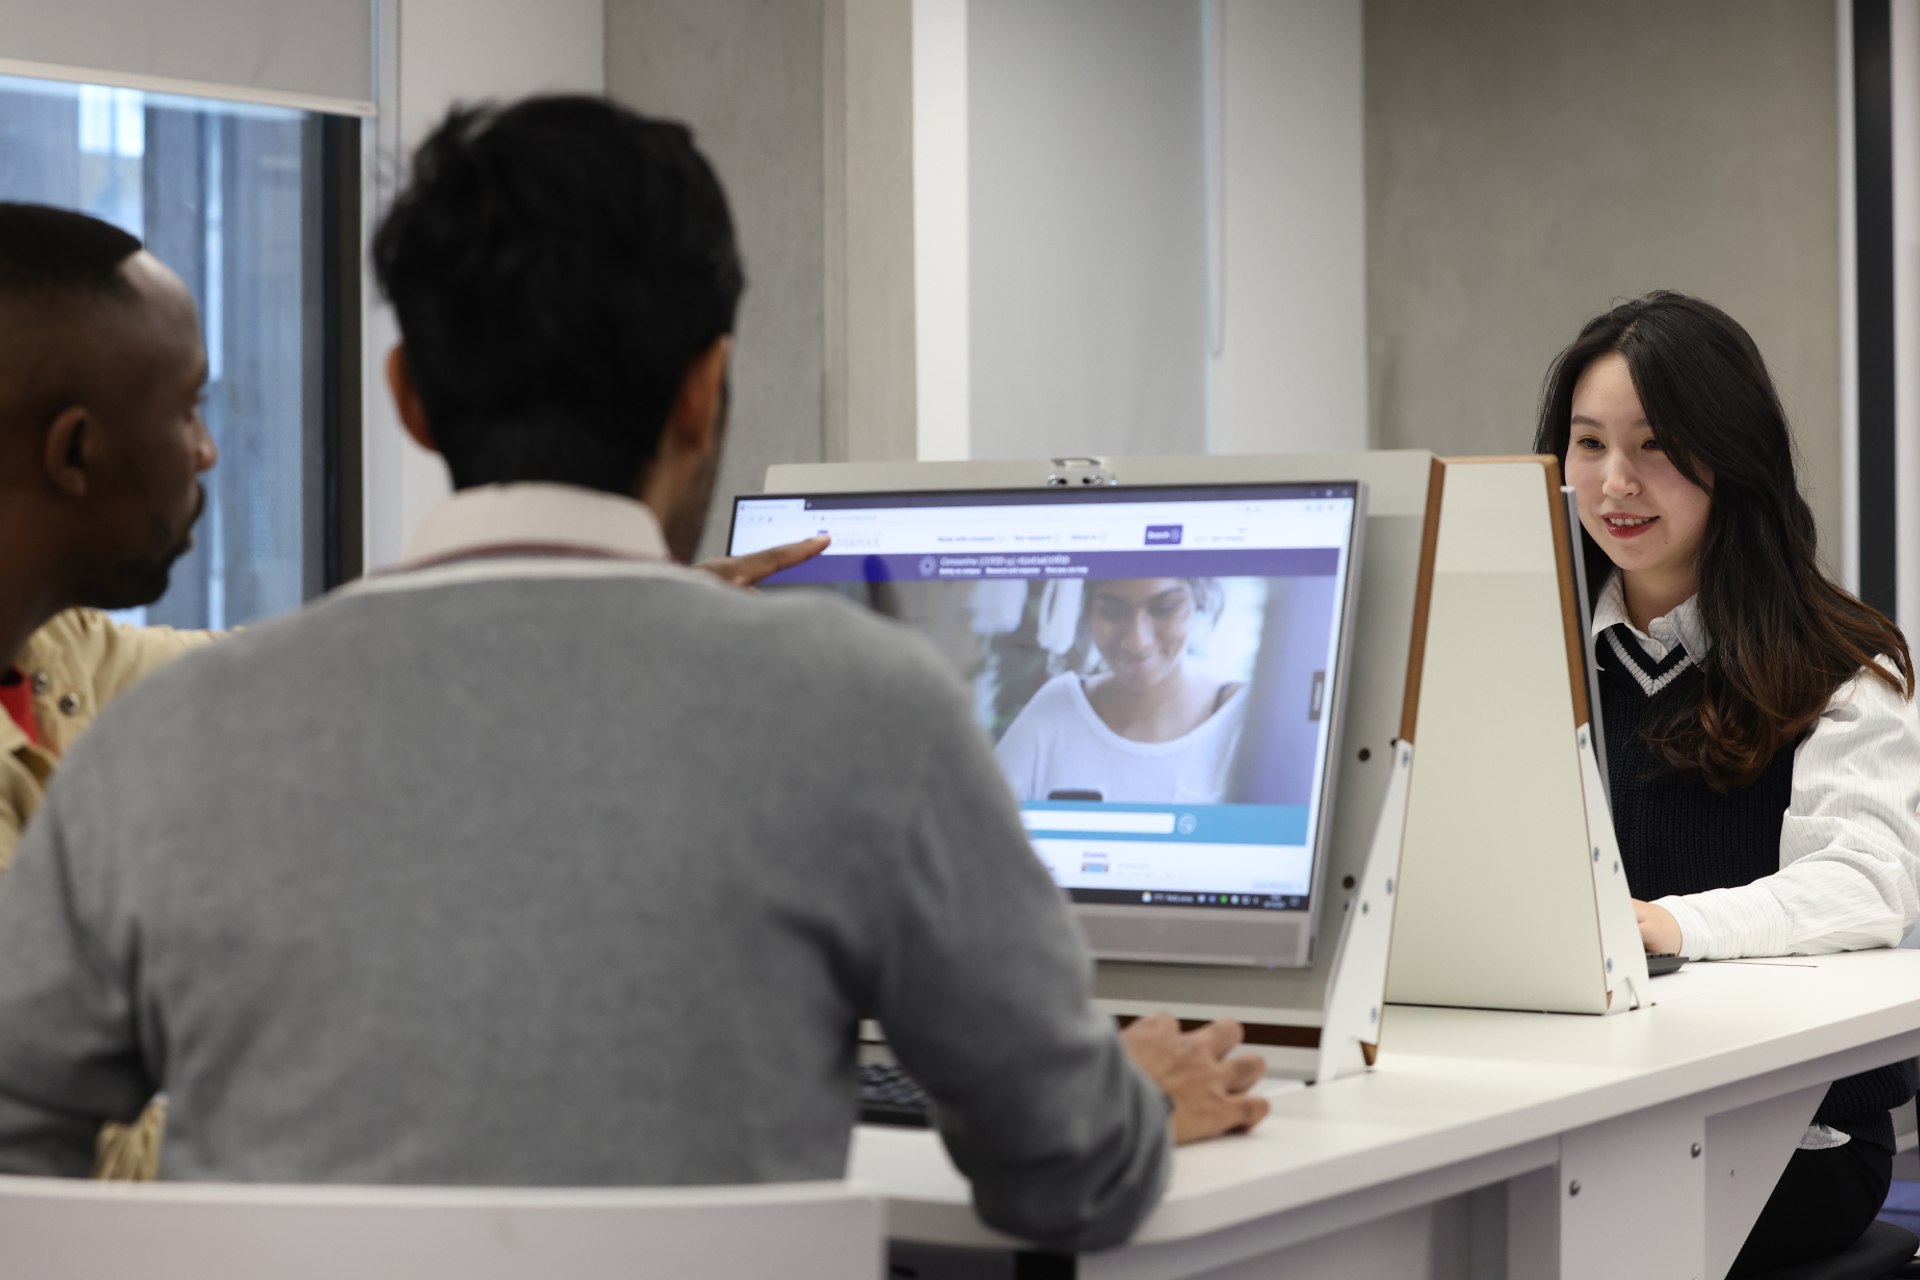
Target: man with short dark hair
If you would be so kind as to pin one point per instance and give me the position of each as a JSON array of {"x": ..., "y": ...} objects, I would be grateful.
[
  {"x": 101, "y": 447},
  {"x": 542, "y": 859}
]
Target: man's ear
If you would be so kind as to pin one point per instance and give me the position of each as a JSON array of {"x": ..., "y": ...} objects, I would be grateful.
[
  {"x": 693, "y": 424},
  {"x": 64, "y": 452},
  {"x": 406, "y": 399}
]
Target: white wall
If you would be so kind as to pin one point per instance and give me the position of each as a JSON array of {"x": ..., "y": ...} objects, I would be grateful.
[
  {"x": 804, "y": 108},
  {"x": 867, "y": 195},
  {"x": 1089, "y": 228},
  {"x": 1153, "y": 217},
  {"x": 1507, "y": 206},
  {"x": 1086, "y": 208},
  {"x": 1905, "y": 40},
  {"x": 942, "y": 302},
  {"x": 1288, "y": 369},
  {"x": 432, "y": 54}
]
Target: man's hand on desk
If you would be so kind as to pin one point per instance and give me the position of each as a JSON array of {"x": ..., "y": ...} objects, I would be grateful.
[
  {"x": 744, "y": 571},
  {"x": 1659, "y": 931},
  {"x": 1208, "y": 1088}
]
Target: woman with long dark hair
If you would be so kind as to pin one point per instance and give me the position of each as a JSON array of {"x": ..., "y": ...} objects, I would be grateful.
[{"x": 1762, "y": 739}]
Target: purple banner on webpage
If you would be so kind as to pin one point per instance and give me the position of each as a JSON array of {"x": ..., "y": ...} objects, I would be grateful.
[{"x": 939, "y": 566}]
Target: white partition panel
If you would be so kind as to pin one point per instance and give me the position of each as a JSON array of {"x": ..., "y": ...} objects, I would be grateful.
[
  {"x": 314, "y": 54},
  {"x": 1511, "y": 895}
]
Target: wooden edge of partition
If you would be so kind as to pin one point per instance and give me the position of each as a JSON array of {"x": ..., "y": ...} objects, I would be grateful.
[
  {"x": 1508, "y": 458},
  {"x": 1565, "y": 540},
  {"x": 1422, "y": 600}
]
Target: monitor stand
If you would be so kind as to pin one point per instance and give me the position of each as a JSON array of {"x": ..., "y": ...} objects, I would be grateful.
[{"x": 1341, "y": 1036}]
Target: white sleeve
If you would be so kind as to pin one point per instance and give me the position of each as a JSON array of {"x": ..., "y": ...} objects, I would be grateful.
[{"x": 1849, "y": 847}]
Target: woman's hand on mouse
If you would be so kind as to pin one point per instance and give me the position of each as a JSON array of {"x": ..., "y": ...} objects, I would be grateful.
[{"x": 1659, "y": 931}]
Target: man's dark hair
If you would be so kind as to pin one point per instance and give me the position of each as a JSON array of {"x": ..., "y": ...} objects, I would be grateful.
[
  {"x": 555, "y": 265},
  {"x": 45, "y": 251}
]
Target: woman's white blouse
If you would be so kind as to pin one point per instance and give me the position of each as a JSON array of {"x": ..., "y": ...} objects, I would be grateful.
[{"x": 1850, "y": 844}]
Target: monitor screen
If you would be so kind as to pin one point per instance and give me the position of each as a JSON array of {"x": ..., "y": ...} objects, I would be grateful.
[{"x": 1157, "y": 667}]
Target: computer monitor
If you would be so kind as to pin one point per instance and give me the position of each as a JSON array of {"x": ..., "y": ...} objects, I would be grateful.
[{"x": 1161, "y": 671}]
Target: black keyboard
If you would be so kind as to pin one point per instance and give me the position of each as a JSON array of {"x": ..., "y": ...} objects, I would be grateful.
[
  {"x": 889, "y": 1095},
  {"x": 1663, "y": 962}
]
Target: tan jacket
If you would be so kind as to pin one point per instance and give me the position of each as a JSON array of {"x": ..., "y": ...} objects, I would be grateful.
[{"x": 76, "y": 664}]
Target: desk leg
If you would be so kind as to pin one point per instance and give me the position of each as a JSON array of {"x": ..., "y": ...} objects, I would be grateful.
[
  {"x": 1628, "y": 1198},
  {"x": 1533, "y": 1224},
  {"x": 1747, "y": 1151}
]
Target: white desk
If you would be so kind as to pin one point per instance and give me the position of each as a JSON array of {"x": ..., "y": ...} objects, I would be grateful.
[{"x": 1457, "y": 1154}]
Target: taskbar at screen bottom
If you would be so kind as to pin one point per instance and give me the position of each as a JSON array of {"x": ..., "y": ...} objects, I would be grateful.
[{"x": 1189, "y": 898}]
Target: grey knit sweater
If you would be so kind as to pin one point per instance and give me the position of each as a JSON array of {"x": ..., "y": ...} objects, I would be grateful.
[{"x": 556, "y": 871}]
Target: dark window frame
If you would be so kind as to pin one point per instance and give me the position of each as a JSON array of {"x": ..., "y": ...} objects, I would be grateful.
[
  {"x": 1872, "y": 108},
  {"x": 335, "y": 480}
]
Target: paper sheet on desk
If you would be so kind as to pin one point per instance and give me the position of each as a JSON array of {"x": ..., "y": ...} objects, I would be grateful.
[{"x": 1719, "y": 977}]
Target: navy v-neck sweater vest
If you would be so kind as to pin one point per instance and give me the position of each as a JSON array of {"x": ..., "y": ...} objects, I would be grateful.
[{"x": 1678, "y": 835}]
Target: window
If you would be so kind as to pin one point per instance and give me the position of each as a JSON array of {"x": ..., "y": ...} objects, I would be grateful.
[{"x": 254, "y": 207}]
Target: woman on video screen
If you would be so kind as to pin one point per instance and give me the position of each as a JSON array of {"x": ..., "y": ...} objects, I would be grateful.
[{"x": 1152, "y": 727}]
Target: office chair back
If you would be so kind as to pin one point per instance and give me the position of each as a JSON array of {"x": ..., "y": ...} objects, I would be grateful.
[{"x": 59, "y": 1229}]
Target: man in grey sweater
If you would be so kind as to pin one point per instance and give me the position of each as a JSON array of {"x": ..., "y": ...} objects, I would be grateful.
[{"x": 543, "y": 859}]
